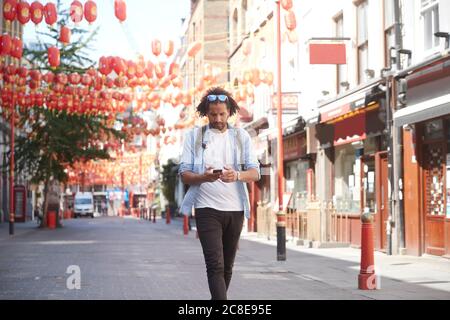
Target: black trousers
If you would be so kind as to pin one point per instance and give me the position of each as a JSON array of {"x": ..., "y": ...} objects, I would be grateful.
[{"x": 219, "y": 233}]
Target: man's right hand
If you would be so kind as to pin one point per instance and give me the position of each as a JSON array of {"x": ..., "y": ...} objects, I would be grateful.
[{"x": 209, "y": 176}]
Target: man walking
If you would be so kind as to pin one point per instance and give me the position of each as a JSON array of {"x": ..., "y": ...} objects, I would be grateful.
[{"x": 216, "y": 163}]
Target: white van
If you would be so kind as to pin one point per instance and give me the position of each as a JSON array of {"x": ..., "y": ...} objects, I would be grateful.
[{"x": 84, "y": 204}]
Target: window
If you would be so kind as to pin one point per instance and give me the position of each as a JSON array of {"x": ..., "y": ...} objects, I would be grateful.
[
  {"x": 389, "y": 29},
  {"x": 235, "y": 29},
  {"x": 341, "y": 68},
  {"x": 430, "y": 17},
  {"x": 363, "y": 41},
  {"x": 296, "y": 176},
  {"x": 347, "y": 181},
  {"x": 243, "y": 18}
]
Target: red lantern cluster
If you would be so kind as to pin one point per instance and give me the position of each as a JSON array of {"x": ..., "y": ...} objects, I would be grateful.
[
  {"x": 290, "y": 20},
  {"x": 12, "y": 47}
]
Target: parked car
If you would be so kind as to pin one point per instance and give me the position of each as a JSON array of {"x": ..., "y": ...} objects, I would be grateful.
[{"x": 84, "y": 204}]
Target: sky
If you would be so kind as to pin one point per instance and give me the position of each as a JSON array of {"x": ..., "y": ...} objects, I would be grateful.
[{"x": 146, "y": 20}]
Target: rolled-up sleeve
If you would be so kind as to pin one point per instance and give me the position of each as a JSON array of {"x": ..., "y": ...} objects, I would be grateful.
[
  {"x": 250, "y": 158},
  {"x": 187, "y": 157}
]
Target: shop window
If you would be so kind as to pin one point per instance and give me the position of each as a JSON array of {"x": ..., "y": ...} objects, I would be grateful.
[
  {"x": 296, "y": 183},
  {"x": 434, "y": 130},
  {"x": 347, "y": 180},
  {"x": 369, "y": 184}
]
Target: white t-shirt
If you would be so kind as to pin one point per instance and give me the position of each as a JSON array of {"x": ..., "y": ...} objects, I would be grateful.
[{"x": 219, "y": 195}]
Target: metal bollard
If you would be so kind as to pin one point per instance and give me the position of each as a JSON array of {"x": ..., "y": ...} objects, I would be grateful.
[
  {"x": 366, "y": 278},
  {"x": 186, "y": 225}
]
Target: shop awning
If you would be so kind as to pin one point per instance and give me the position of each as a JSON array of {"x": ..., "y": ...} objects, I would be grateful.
[
  {"x": 350, "y": 130},
  {"x": 423, "y": 111}
]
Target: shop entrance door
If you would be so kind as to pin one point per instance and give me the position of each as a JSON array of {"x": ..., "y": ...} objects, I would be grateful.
[{"x": 434, "y": 197}]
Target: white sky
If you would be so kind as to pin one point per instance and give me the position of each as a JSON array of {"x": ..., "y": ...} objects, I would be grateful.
[{"x": 146, "y": 20}]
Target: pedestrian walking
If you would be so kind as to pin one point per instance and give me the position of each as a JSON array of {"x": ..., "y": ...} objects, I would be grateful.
[{"x": 216, "y": 163}]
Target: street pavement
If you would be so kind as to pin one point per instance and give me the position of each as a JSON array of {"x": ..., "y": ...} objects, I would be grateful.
[{"x": 130, "y": 259}]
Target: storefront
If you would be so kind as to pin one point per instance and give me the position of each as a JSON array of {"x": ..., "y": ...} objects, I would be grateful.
[
  {"x": 426, "y": 123},
  {"x": 351, "y": 133}
]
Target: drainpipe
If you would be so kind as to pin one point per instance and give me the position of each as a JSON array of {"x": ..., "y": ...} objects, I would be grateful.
[
  {"x": 387, "y": 73},
  {"x": 398, "y": 217}
]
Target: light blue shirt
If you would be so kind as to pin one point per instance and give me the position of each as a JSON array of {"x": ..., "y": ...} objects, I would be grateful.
[{"x": 192, "y": 159}]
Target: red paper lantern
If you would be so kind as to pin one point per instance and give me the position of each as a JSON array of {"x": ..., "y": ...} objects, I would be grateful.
[
  {"x": 22, "y": 72},
  {"x": 62, "y": 78},
  {"x": 23, "y": 12},
  {"x": 49, "y": 77},
  {"x": 50, "y": 13},
  {"x": 65, "y": 35},
  {"x": 104, "y": 66},
  {"x": 36, "y": 75},
  {"x": 10, "y": 10},
  {"x": 16, "y": 48},
  {"x": 156, "y": 47},
  {"x": 160, "y": 69},
  {"x": 90, "y": 11},
  {"x": 76, "y": 11},
  {"x": 74, "y": 78},
  {"x": 168, "y": 50},
  {"x": 174, "y": 69},
  {"x": 118, "y": 65},
  {"x": 292, "y": 36},
  {"x": 291, "y": 22},
  {"x": 54, "y": 57},
  {"x": 131, "y": 69},
  {"x": 86, "y": 80},
  {"x": 5, "y": 45},
  {"x": 37, "y": 12},
  {"x": 286, "y": 4},
  {"x": 149, "y": 69},
  {"x": 120, "y": 9}
]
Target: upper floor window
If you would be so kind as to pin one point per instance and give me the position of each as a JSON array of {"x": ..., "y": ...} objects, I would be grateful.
[
  {"x": 243, "y": 18},
  {"x": 389, "y": 29},
  {"x": 235, "y": 28},
  {"x": 363, "y": 40},
  {"x": 430, "y": 17},
  {"x": 341, "y": 68}
]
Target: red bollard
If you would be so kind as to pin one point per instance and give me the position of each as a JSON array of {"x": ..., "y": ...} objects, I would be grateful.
[
  {"x": 51, "y": 220},
  {"x": 167, "y": 215},
  {"x": 186, "y": 225},
  {"x": 367, "y": 278}
]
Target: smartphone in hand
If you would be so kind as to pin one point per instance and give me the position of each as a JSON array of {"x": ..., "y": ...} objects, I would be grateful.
[{"x": 217, "y": 171}]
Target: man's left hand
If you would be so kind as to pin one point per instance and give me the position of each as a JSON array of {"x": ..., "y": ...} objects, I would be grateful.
[{"x": 228, "y": 175}]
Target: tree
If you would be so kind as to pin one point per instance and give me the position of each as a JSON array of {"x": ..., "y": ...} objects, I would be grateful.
[{"x": 53, "y": 140}]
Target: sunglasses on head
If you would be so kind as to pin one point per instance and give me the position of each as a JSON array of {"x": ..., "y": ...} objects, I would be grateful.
[{"x": 215, "y": 97}]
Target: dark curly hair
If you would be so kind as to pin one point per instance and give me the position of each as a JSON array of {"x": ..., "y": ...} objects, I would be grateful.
[{"x": 203, "y": 107}]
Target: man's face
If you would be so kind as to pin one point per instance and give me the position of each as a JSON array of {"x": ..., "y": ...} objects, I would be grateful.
[{"x": 218, "y": 115}]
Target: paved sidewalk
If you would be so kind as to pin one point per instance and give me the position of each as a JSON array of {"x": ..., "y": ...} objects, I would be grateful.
[{"x": 123, "y": 259}]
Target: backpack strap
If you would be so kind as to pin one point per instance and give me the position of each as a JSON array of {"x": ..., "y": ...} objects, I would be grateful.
[
  {"x": 240, "y": 148},
  {"x": 199, "y": 141}
]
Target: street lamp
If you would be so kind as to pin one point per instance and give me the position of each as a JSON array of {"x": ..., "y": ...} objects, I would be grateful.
[
  {"x": 281, "y": 215},
  {"x": 11, "y": 166}
]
